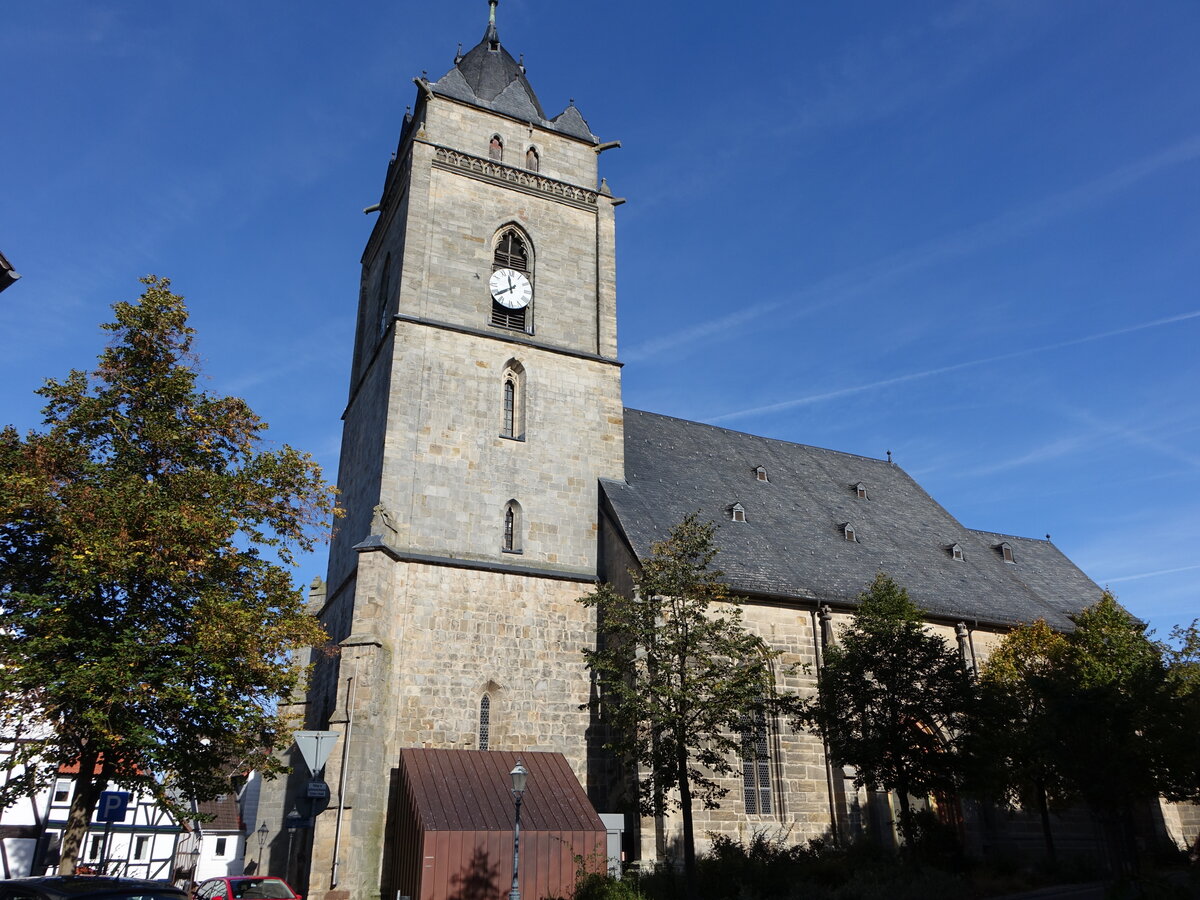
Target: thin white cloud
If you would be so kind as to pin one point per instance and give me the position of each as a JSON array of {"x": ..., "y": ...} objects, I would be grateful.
[
  {"x": 958, "y": 244},
  {"x": 1140, "y": 575},
  {"x": 942, "y": 370}
]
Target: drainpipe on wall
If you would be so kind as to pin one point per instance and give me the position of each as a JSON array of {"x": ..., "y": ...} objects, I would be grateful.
[{"x": 821, "y": 627}]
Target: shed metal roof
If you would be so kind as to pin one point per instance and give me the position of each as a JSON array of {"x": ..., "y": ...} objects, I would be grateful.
[{"x": 469, "y": 790}]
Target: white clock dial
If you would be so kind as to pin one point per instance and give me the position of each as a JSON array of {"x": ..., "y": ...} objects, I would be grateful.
[{"x": 510, "y": 288}]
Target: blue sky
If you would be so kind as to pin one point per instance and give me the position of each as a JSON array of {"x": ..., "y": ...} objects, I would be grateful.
[{"x": 965, "y": 232}]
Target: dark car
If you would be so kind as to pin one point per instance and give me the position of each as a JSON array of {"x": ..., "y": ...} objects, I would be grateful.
[
  {"x": 246, "y": 887},
  {"x": 88, "y": 887}
]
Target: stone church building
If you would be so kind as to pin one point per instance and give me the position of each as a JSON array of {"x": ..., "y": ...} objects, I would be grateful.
[{"x": 491, "y": 476}]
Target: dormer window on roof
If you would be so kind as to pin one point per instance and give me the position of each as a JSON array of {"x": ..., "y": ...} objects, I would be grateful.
[
  {"x": 737, "y": 512},
  {"x": 860, "y": 491},
  {"x": 956, "y": 551},
  {"x": 1006, "y": 552},
  {"x": 849, "y": 533},
  {"x": 760, "y": 473}
]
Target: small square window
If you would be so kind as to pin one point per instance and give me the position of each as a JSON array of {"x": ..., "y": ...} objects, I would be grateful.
[
  {"x": 220, "y": 851},
  {"x": 62, "y": 790}
]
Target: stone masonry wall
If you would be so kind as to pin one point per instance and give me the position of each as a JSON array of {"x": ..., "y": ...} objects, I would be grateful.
[
  {"x": 448, "y": 473},
  {"x": 454, "y": 124},
  {"x": 429, "y": 641}
]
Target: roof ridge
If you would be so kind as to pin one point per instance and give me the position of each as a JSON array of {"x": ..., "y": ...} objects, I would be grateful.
[{"x": 761, "y": 437}]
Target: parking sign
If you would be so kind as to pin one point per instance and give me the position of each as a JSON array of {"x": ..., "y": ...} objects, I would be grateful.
[{"x": 112, "y": 806}]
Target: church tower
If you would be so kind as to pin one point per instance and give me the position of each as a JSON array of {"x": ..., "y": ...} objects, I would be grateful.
[{"x": 484, "y": 405}]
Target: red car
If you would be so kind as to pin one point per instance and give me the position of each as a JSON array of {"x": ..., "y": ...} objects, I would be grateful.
[{"x": 245, "y": 887}]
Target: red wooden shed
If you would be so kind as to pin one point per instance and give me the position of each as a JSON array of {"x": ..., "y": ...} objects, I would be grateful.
[{"x": 455, "y": 826}]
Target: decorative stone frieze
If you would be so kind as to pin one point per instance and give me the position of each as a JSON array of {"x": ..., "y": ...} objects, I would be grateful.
[{"x": 493, "y": 170}]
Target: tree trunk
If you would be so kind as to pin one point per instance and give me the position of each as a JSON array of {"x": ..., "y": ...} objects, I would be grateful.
[
  {"x": 1044, "y": 812},
  {"x": 88, "y": 787},
  {"x": 685, "y": 808},
  {"x": 906, "y": 822}
]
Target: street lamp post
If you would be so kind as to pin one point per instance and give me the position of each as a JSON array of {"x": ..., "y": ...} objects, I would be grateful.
[
  {"x": 262, "y": 839},
  {"x": 518, "y": 776},
  {"x": 291, "y": 821}
]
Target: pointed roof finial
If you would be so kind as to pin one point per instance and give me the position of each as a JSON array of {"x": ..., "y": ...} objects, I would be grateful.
[{"x": 492, "y": 36}]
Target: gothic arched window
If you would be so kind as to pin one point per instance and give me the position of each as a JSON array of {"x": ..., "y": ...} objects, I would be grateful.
[
  {"x": 756, "y": 764},
  {"x": 511, "y": 542},
  {"x": 485, "y": 721},
  {"x": 532, "y": 160},
  {"x": 512, "y": 423},
  {"x": 496, "y": 148},
  {"x": 510, "y": 406},
  {"x": 384, "y": 290},
  {"x": 512, "y": 251}
]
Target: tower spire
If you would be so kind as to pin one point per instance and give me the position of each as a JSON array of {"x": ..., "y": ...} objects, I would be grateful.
[{"x": 492, "y": 37}]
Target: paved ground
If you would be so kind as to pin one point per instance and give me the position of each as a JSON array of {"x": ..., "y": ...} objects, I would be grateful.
[
  {"x": 1099, "y": 891},
  {"x": 1093, "y": 891}
]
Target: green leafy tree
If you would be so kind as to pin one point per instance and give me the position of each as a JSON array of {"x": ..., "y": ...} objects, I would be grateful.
[
  {"x": 1114, "y": 722},
  {"x": 891, "y": 700},
  {"x": 1013, "y": 736},
  {"x": 1183, "y": 743},
  {"x": 144, "y": 633},
  {"x": 680, "y": 678}
]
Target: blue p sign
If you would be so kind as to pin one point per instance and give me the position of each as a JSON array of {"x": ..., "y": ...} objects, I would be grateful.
[{"x": 112, "y": 806}]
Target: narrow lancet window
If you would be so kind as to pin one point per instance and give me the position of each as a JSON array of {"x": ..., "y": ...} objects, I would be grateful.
[
  {"x": 511, "y": 542},
  {"x": 510, "y": 403},
  {"x": 485, "y": 721}
]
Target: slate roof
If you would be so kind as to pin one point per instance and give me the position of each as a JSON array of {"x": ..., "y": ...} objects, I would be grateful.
[
  {"x": 792, "y": 543},
  {"x": 488, "y": 77},
  {"x": 7, "y": 275}
]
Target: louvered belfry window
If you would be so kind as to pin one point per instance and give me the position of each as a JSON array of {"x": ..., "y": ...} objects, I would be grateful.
[
  {"x": 756, "y": 767},
  {"x": 510, "y": 254}
]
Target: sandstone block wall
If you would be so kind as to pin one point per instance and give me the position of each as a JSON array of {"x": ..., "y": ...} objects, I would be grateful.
[{"x": 448, "y": 473}]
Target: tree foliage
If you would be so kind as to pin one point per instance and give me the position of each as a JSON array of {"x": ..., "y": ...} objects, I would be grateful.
[
  {"x": 144, "y": 632},
  {"x": 892, "y": 699},
  {"x": 680, "y": 679},
  {"x": 1014, "y": 736},
  {"x": 1182, "y": 777},
  {"x": 1102, "y": 714},
  {"x": 1110, "y": 707}
]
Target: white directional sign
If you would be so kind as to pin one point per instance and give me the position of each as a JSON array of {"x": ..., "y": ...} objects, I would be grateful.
[{"x": 315, "y": 747}]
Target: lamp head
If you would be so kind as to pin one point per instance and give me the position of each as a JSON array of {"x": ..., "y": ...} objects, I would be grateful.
[{"x": 519, "y": 774}]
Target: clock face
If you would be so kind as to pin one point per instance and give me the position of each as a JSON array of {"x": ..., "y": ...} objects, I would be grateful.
[{"x": 510, "y": 288}]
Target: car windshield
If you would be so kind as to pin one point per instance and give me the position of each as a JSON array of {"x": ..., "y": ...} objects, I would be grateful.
[{"x": 264, "y": 888}]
